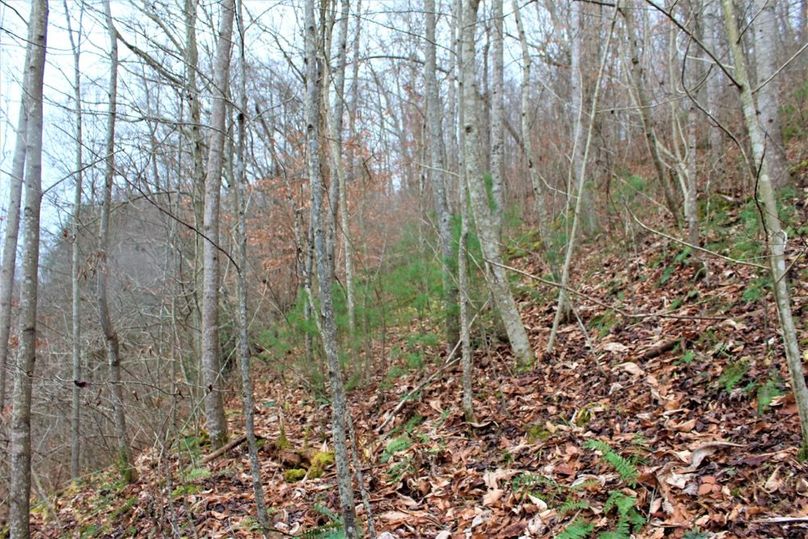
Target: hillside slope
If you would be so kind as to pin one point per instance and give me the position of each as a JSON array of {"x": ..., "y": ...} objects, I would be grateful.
[{"x": 669, "y": 418}]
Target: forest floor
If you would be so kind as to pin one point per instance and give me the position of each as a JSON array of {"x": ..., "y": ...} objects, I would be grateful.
[{"x": 663, "y": 426}]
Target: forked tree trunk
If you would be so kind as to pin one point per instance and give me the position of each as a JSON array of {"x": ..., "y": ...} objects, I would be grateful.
[
  {"x": 20, "y": 452},
  {"x": 211, "y": 362},
  {"x": 438, "y": 177},
  {"x": 325, "y": 275},
  {"x": 8, "y": 267},
  {"x": 124, "y": 456},
  {"x": 486, "y": 227},
  {"x": 775, "y": 235}
]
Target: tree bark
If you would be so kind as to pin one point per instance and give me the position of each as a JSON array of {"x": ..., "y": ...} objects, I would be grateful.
[
  {"x": 240, "y": 206},
  {"x": 486, "y": 229},
  {"x": 434, "y": 113},
  {"x": 75, "y": 411},
  {"x": 339, "y": 408},
  {"x": 766, "y": 32},
  {"x": 497, "y": 115},
  {"x": 124, "y": 457},
  {"x": 644, "y": 109},
  {"x": 775, "y": 235},
  {"x": 576, "y": 216},
  {"x": 527, "y": 138},
  {"x": 8, "y": 267},
  {"x": 20, "y": 453},
  {"x": 211, "y": 361}
]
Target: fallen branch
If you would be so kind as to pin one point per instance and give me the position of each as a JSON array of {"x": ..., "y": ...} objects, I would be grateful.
[
  {"x": 225, "y": 448},
  {"x": 780, "y": 520}
]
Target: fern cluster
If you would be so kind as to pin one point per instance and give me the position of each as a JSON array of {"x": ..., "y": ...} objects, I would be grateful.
[{"x": 624, "y": 467}]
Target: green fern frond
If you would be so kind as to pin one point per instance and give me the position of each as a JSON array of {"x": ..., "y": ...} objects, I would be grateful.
[
  {"x": 571, "y": 506},
  {"x": 625, "y": 468},
  {"x": 577, "y": 529}
]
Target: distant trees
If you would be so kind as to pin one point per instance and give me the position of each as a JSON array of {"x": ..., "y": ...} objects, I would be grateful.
[{"x": 320, "y": 152}]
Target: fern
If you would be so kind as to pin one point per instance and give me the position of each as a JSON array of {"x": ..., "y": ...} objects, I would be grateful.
[
  {"x": 577, "y": 529},
  {"x": 624, "y": 467},
  {"x": 627, "y": 516},
  {"x": 571, "y": 506}
]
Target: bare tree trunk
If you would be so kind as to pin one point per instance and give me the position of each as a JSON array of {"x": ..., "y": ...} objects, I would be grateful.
[
  {"x": 766, "y": 33},
  {"x": 775, "y": 235},
  {"x": 325, "y": 276},
  {"x": 527, "y": 139},
  {"x": 497, "y": 116},
  {"x": 240, "y": 205},
  {"x": 124, "y": 457},
  {"x": 211, "y": 361},
  {"x": 191, "y": 57},
  {"x": 20, "y": 453},
  {"x": 486, "y": 228},
  {"x": 581, "y": 176},
  {"x": 712, "y": 31},
  {"x": 75, "y": 412},
  {"x": 644, "y": 107},
  {"x": 8, "y": 267},
  {"x": 437, "y": 175}
]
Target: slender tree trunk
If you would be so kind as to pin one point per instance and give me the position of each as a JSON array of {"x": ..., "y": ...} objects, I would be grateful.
[
  {"x": 75, "y": 412},
  {"x": 325, "y": 277},
  {"x": 497, "y": 115},
  {"x": 644, "y": 107},
  {"x": 437, "y": 176},
  {"x": 8, "y": 267},
  {"x": 240, "y": 205},
  {"x": 581, "y": 176},
  {"x": 192, "y": 95},
  {"x": 775, "y": 235},
  {"x": 20, "y": 454},
  {"x": 527, "y": 138},
  {"x": 124, "y": 457},
  {"x": 766, "y": 32},
  {"x": 486, "y": 229},
  {"x": 712, "y": 32},
  {"x": 211, "y": 360}
]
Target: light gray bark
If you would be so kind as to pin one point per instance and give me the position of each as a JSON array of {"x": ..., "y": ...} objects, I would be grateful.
[
  {"x": 325, "y": 275},
  {"x": 124, "y": 457},
  {"x": 8, "y": 267},
  {"x": 240, "y": 205},
  {"x": 497, "y": 115},
  {"x": 712, "y": 32},
  {"x": 20, "y": 451},
  {"x": 766, "y": 32},
  {"x": 211, "y": 362},
  {"x": 527, "y": 138},
  {"x": 75, "y": 411},
  {"x": 637, "y": 70},
  {"x": 775, "y": 235},
  {"x": 581, "y": 177},
  {"x": 434, "y": 114},
  {"x": 486, "y": 228}
]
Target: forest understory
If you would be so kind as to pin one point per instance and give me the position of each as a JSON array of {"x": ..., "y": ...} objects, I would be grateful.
[{"x": 668, "y": 417}]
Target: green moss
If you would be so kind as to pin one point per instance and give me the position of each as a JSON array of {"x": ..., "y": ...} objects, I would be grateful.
[
  {"x": 397, "y": 445},
  {"x": 294, "y": 475},
  {"x": 319, "y": 462},
  {"x": 537, "y": 433}
]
